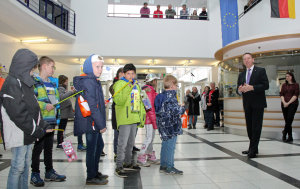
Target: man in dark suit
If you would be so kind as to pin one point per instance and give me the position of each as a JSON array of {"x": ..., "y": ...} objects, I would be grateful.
[{"x": 252, "y": 85}]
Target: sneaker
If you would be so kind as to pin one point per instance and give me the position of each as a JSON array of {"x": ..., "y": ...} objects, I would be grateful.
[
  {"x": 36, "y": 180},
  {"x": 53, "y": 176},
  {"x": 131, "y": 167},
  {"x": 96, "y": 181},
  {"x": 152, "y": 158},
  {"x": 101, "y": 176},
  {"x": 141, "y": 160},
  {"x": 81, "y": 147},
  {"x": 135, "y": 149},
  {"x": 173, "y": 171},
  {"x": 120, "y": 172},
  {"x": 162, "y": 169}
]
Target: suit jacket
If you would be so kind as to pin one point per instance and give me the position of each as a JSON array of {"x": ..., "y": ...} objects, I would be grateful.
[{"x": 260, "y": 83}]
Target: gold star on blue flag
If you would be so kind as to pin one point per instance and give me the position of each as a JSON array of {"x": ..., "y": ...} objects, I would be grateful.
[{"x": 230, "y": 28}]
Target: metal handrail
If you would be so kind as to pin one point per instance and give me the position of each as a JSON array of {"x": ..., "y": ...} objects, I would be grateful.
[
  {"x": 164, "y": 15},
  {"x": 250, "y": 7},
  {"x": 60, "y": 15}
]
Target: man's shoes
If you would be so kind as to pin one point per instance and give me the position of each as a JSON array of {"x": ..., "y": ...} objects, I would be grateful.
[
  {"x": 194, "y": 126},
  {"x": 209, "y": 129},
  {"x": 103, "y": 154},
  {"x": 251, "y": 155},
  {"x": 53, "y": 176},
  {"x": 189, "y": 127},
  {"x": 120, "y": 172},
  {"x": 36, "y": 180},
  {"x": 245, "y": 152},
  {"x": 96, "y": 181},
  {"x": 59, "y": 147},
  {"x": 101, "y": 176},
  {"x": 289, "y": 140},
  {"x": 205, "y": 126}
]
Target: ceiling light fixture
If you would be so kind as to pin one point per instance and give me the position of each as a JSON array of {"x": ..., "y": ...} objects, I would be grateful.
[
  {"x": 40, "y": 40},
  {"x": 153, "y": 62},
  {"x": 187, "y": 62},
  {"x": 116, "y": 61}
]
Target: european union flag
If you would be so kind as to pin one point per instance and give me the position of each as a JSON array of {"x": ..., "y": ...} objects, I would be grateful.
[{"x": 229, "y": 19}]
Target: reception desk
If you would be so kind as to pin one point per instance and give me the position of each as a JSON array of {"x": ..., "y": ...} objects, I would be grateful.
[{"x": 273, "y": 123}]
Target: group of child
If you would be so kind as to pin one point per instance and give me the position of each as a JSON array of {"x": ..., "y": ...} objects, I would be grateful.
[{"x": 29, "y": 113}]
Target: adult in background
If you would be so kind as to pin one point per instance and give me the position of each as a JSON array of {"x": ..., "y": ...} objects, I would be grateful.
[
  {"x": 119, "y": 75},
  {"x": 289, "y": 103},
  {"x": 252, "y": 84},
  {"x": 204, "y": 105},
  {"x": 212, "y": 106},
  {"x": 186, "y": 102},
  {"x": 203, "y": 14},
  {"x": 145, "y": 11},
  {"x": 170, "y": 13},
  {"x": 158, "y": 13},
  {"x": 216, "y": 108},
  {"x": 184, "y": 13},
  {"x": 194, "y": 109},
  {"x": 66, "y": 109}
]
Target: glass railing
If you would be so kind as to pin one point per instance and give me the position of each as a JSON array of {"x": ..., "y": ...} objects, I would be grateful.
[
  {"x": 161, "y": 16},
  {"x": 54, "y": 12}
]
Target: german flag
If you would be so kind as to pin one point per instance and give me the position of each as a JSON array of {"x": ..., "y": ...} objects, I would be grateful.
[{"x": 283, "y": 9}]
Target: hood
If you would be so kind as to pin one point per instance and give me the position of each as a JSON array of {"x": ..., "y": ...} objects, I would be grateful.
[
  {"x": 77, "y": 81},
  {"x": 22, "y": 63},
  {"x": 87, "y": 66}
]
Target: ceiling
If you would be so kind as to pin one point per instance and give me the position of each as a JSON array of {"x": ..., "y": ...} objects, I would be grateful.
[{"x": 142, "y": 61}]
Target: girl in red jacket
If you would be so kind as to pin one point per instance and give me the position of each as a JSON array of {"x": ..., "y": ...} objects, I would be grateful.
[{"x": 147, "y": 152}]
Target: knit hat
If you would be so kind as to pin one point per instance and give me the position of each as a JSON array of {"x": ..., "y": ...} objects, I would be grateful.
[
  {"x": 151, "y": 77},
  {"x": 87, "y": 66}
]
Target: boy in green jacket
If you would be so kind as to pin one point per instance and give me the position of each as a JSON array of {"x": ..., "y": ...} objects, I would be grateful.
[{"x": 130, "y": 114}]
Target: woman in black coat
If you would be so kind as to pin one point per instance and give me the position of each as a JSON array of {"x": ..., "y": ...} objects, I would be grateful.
[{"x": 194, "y": 109}]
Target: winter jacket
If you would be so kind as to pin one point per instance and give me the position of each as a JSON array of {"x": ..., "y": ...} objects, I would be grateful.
[
  {"x": 150, "y": 115},
  {"x": 194, "y": 108},
  {"x": 203, "y": 101},
  {"x": 94, "y": 95},
  {"x": 214, "y": 100},
  {"x": 52, "y": 117},
  {"x": 66, "y": 109},
  {"x": 21, "y": 118},
  {"x": 123, "y": 105},
  {"x": 168, "y": 114}
]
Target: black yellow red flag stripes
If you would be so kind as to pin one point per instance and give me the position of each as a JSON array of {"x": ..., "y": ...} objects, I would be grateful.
[{"x": 283, "y": 8}]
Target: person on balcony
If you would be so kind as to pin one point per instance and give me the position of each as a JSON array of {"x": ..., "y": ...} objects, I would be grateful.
[
  {"x": 170, "y": 13},
  {"x": 194, "y": 16},
  {"x": 158, "y": 13},
  {"x": 145, "y": 11},
  {"x": 184, "y": 13},
  {"x": 203, "y": 14}
]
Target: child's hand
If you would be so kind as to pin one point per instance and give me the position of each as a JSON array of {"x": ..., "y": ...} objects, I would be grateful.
[
  {"x": 103, "y": 130},
  {"x": 49, "y": 107},
  {"x": 49, "y": 130}
]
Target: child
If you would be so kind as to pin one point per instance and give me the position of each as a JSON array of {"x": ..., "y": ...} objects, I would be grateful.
[
  {"x": 46, "y": 91},
  {"x": 119, "y": 75},
  {"x": 65, "y": 108},
  {"x": 21, "y": 116},
  {"x": 150, "y": 124},
  {"x": 130, "y": 113},
  {"x": 168, "y": 121},
  {"x": 95, "y": 124}
]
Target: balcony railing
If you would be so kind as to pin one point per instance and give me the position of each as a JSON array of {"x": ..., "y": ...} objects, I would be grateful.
[
  {"x": 135, "y": 15},
  {"x": 54, "y": 12}
]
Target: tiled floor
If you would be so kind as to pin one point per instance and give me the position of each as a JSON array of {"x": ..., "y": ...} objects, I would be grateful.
[{"x": 210, "y": 160}]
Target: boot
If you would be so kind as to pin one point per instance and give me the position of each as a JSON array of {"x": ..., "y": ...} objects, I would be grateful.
[
  {"x": 152, "y": 158},
  {"x": 284, "y": 135},
  {"x": 194, "y": 126}
]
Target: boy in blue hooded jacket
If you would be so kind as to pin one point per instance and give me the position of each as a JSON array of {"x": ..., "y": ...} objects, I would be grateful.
[{"x": 95, "y": 124}]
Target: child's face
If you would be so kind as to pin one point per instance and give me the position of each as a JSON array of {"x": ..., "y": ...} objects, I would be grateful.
[
  {"x": 129, "y": 75},
  {"x": 49, "y": 68},
  {"x": 97, "y": 68}
]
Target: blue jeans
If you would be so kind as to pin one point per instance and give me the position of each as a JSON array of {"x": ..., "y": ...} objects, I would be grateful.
[
  {"x": 94, "y": 149},
  {"x": 167, "y": 152},
  {"x": 20, "y": 163},
  {"x": 191, "y": 119}
]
